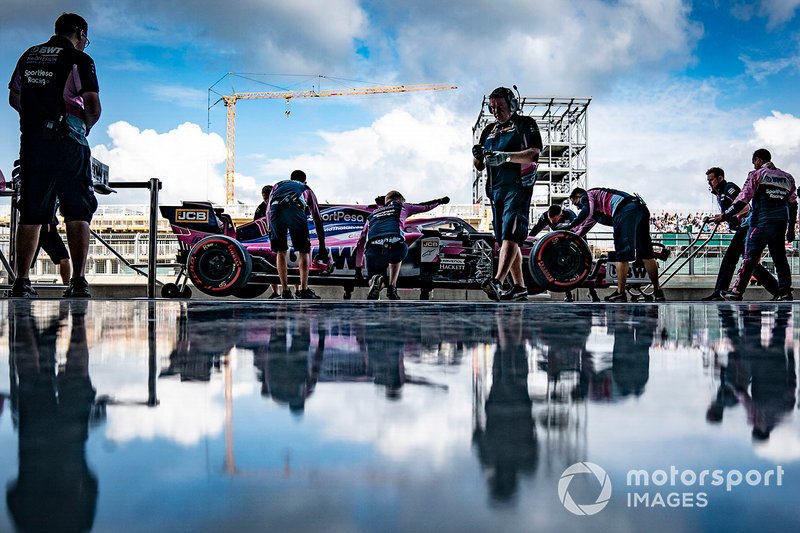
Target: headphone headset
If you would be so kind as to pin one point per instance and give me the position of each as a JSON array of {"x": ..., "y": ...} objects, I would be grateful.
[{"x": 509, "y": 96}]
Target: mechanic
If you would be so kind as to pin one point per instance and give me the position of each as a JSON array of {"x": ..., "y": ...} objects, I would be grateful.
[
  {"x": 55, "y": 91},
  {"x": 288, "y": 204},
  {"x": 773, "y": 195},
  {"x": 261, "y": 210},
  {"x": 726, "y": 193},
  {"x": 382, "y": 242},
  {"x": 509, "y": 149},
  {"x": 630, "y": 218},
  {"x": 50, "y": 241},
  {"x": 556, "y": 218}
]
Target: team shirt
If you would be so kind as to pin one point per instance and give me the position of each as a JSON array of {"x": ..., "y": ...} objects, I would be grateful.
[
  {"x": 598, "y": 206},
  {"x": 518, "y": 134},
  {"x": 567, "y": 217},
  {"x": 770, "y": 190}
]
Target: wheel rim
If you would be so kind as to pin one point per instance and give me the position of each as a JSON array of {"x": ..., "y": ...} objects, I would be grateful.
[{"x": 215, "y": 266}]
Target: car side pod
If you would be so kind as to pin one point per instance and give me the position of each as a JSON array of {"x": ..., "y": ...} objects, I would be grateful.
[
  {"x": 219, "y": 265},
  {"x": 560, "y": 261}
]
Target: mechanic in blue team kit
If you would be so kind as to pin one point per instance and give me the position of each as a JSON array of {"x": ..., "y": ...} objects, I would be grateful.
[
  {"x": 382, "y": 242},
  {"x": 55, "y": 91},
  {"x": 726, "y": 193},
  {"x": 556, "y": 218},
  {"x": 773, "y": 195},
  {"x": 509, "y": 150},
  {"x": 630, "y": 218},
  {"x": 287, "y": 209}
]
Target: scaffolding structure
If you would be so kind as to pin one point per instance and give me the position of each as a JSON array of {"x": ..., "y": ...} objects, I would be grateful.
[{"x": 563, "y": 160}]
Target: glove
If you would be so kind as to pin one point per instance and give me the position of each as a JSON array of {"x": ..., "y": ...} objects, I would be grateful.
[
  {"x": 359, "y": 274},
  {"x": 495, "y": 159},
  {"x": 444, "y": 200},
  {"x": 478, "y": 152},
  {"x": 790, "y": 235},
  {"x": 322, "y": 255}
]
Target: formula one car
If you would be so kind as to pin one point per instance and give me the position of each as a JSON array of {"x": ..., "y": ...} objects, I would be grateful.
[{"x": 221, "y": 259}]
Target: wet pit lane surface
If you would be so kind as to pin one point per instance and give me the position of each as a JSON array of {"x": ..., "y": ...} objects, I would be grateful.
[{"x": 262, "y": 416}]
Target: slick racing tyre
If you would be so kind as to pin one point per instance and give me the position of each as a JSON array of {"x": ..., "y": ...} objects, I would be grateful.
[
  {"x": 218, "y": 265},
  {"x": 560, "y": 261}
]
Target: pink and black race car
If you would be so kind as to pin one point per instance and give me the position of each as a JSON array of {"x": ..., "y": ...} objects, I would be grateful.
[{"x": 221, "y": 259}]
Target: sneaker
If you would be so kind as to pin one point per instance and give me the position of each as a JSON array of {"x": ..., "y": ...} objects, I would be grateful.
[
  {"x": 78, "y": 288},
  {"x": 785, "y": 297},
  {"x": 493, "y": 288},
  {"x": 659, "y": 296},
  {"x": 713, "y": 297},
  {"x": 617, "y": 297},
  {"x": 22, "y": 289},
  {"x": 286, "y": 294},
  {"x": 375, "y": 285},
  {"x": 307, "y": 294},
  {"x": 274, "y": 296},
  {"x": 391, "y": 292},
  {"x": 568, "y": 297},
  {"x": 518, "y": 293},
  {"x": 731, "y": 296}
]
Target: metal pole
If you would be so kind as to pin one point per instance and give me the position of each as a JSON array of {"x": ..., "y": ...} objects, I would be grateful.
[{"x": 152, "y": 258}]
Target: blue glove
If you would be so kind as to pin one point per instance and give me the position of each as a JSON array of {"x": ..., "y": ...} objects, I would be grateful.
[{"x": 495, "y": 159}]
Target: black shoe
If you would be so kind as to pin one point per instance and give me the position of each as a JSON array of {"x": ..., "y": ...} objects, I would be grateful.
[
  {"x": 375, "y": 285},
  {"x": 493, "y": 288},
  {"x": 658, "y": 296},
  {"x": 518, "y": 293},
  {"x": 78, "y": 288},
  {"x": 274, "y": 296},
  {"x": 592, "y": 294},
  {"x": 713, "y": 297},
  {"x": 731, "y": 296},
  {"x": 391, "y": 292},
  {"x": 307, "y": 294},
  {"x": 568, "y": 297},
  {"x": 22, "y": 289},
  {"x": 785, "y": 297},
  {"x": 286, "y": 294},
  {"x": 617, "y": 297}
]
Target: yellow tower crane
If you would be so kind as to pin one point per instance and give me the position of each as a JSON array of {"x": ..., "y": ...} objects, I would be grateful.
[{"x": 231, "y": 99}]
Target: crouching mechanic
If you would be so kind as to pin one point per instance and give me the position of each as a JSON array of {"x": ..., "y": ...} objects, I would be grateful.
[
  {"x": 556, "y": 218},
  {"x": 509, "y": 149},
  {"x": 288, "y": 204},
  {"x": 630, "y": 218},
  {"x": 774, "y": 215},
  {"x": 382, "y": 242}
]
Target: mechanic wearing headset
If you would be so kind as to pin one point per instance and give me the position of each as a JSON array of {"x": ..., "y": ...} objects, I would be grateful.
[
  {"x": 772, "y": 222},
  {"x": 630, "y": 218},
  {"x": 288, "y": 204},
  {"x": 726, "y": 193},
  {"x": 383, "y": 243},
  {"x": 509, "y": 149}
]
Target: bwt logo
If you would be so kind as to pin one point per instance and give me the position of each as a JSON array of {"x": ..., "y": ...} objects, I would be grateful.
[
  {"x": 581, "y": 469},
  {"x": 191, "y": 215}
]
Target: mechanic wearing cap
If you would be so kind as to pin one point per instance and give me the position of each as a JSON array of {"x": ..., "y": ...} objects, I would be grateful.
[
  {"x": 288, "y": 204},
  {"x": 509, "y": 150},
  {"x": 773, "y": 195},
  {"x": 630, "y": 218},
  {"x": 55, "y": 91},
  {"x": 726, "y": 193},
  {"x": 383, "y": 243}
]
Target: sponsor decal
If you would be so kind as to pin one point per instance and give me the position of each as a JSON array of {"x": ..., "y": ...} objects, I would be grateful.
[{"x": 192, "y": 216}]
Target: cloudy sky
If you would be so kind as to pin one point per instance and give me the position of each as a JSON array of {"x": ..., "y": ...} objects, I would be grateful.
[{"x": 676, "y": 87}]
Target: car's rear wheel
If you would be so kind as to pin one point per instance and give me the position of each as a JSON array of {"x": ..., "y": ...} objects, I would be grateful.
[
  {"x": 219, "y": 265},
  {"x": 560, "y": 261}
]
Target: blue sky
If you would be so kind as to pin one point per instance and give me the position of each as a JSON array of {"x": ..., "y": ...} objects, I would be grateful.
[{"x": 676, "y": 87}]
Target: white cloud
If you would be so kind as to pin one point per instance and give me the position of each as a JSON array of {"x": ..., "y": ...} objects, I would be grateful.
[
  {"x": 779, "y": 11},
  {"x": 180, "y": 95},
  {"x": 189, "y": 162},
  {"x": 779, "y": 132}
]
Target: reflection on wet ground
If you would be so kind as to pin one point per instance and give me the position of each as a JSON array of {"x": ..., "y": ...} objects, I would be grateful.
[{"x": 253, "y": 416}]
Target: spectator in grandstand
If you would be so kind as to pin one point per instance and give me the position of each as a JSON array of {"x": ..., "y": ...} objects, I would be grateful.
[
  {"x": 509, "y": 149},
  {"x": 773, "y": 195},
  {"x": 383, "y": 244},
  {"x": 54, "y": 89},
  {"x": 726, "y": 193},
  {"x": 630, "y": 218},
  {"x": 288, "y": 204}
]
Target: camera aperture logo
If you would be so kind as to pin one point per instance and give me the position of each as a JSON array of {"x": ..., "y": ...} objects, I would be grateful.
[{"x": 587, "y": 509}]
